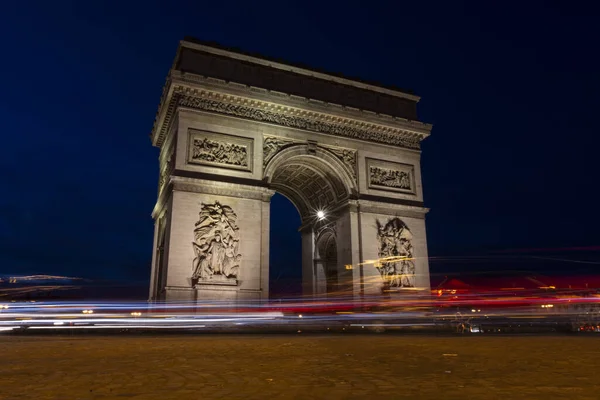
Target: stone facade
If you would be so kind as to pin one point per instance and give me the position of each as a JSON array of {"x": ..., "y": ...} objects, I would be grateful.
[
  {"x": 415, "y": 274},
  {"x": 252, "y": 223},
  {"x": 227, "y": 147}
]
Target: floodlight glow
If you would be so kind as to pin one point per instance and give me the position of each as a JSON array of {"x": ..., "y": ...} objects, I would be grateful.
[{"x": 320, "y": 214}]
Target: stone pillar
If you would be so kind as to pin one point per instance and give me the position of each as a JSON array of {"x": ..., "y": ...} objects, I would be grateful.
[
  {"x": 265, "y": 247},
  {"x": 162, "y": 266},
  {"x": 421, "y": 254},
  {"x": 157, "y": 281},
  {"x": 403, "y": 227},
  {"x": 320, "y": 279},
  {"x": 243, "y": 210},
  {"x": 152, "y": 292},
  {"x": 308, "y": 266},
  {"x": 348, "y": 248}
]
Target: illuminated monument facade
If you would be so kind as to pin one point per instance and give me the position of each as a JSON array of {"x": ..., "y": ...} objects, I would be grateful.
[{"x": 233, "y": 129}]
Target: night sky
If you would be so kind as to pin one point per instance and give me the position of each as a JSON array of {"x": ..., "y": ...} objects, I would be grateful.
[{"x": 513, "y": 93}]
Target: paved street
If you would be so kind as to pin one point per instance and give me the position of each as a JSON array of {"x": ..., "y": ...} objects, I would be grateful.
[{"x": 299, "y": 367}]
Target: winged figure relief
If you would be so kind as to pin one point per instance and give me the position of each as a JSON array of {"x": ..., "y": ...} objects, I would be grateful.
[
  {"x": 216, "y": 244},
  {"x": 395, "y": 251}
]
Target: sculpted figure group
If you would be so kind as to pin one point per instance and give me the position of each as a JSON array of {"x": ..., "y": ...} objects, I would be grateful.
[
  {"x": 390, "y": 178},
  {"x": 219, "y": 152},
  {"x": 396, "y": 262},
  {"x": 216, "y": 244}
]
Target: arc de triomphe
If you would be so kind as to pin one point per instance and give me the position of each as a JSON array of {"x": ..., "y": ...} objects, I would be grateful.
[{"x": 233, "y": 129}]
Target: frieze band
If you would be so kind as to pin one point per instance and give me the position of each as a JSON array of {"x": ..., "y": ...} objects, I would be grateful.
[{"x": 395, "y": 138}]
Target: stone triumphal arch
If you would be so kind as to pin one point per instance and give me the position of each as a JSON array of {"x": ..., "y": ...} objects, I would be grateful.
[{"x": 233, "y": 129}]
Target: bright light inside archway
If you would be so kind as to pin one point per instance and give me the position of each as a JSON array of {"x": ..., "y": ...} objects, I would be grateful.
[{"x": 320, "y": 214}]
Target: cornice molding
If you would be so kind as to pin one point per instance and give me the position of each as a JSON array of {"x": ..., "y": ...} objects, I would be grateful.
[
  {"x": 180, "y": 95},
  {"x": 403, "y": 210},
  {"x": 184, "y": 184}
]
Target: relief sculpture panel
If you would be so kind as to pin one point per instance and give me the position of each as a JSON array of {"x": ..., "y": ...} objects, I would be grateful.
[
  {"x": 396, "y": 260},
  {"x": 390, "y": 176},
  {"x": 216, "y": 149},
  {"x": 272, "y": 145},
  {"x": 348, "y": 157},
  {"x": 216, "y": 246}
]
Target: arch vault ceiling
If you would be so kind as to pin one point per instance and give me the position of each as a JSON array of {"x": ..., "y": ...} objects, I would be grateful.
[{"x": 309, "y": 187}]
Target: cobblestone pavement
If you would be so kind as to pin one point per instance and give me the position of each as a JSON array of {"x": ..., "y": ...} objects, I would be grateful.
[{"x": 299, "y": 367}]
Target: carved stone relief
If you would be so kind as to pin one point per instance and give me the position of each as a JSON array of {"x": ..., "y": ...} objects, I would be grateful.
[
  {"x": 396, "y": 260},
  {"x": 271, "y": 145},
  {"x": 348, "y": 157},
  {"x": 390, "y": 176},
  {"x": 216, "y": 245},
  {"x": 219, "y": 152},
  {"x": 215, "y": 149},
  {"x": 354, "y": 131}
]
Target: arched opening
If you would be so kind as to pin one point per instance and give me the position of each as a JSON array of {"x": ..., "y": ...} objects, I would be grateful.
[
  {"x": 327, "y": 259},
  {"x": 317, "y": 184},
  {"x": 313, "y": 179},
  {"x": 285, "y": 256}
]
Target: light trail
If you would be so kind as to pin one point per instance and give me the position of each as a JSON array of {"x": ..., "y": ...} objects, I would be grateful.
[{"x": 410, "y": 309}]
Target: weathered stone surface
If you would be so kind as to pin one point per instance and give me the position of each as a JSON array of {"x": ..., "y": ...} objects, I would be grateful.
[{"x": 228, "y": 143}]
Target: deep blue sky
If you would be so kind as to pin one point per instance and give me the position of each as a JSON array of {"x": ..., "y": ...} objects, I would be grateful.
[{"x": 513, "y": 93}]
